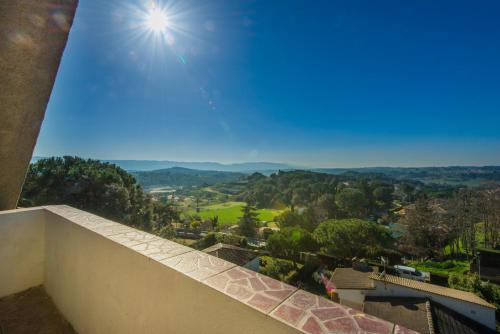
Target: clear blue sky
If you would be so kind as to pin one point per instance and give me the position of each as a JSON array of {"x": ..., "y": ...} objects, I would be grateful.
[{"x": 323, "y": 83}]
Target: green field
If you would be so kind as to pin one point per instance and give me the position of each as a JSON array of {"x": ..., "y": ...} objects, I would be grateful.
[
  {"x": 230, "y": 212},
  {"x": 442, "y": 268}
]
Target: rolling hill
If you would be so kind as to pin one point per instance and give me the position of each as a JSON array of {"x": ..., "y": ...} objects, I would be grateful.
[{"x": 184, "y": 177}]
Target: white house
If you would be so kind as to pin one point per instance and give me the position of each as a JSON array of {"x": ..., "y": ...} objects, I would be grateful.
[
  {"x": 352, "y": 285},
  {"x": 355, "y": 286},
  {"x": 462, "y": 302}
]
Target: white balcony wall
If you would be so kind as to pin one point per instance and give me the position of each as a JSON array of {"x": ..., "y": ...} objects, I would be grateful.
[
  {"x": 103, "y": 287},
  {"x": 22, "y": 249}
]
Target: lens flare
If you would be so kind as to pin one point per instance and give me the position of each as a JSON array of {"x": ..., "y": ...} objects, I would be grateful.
[{"x": 157, "y": 20}]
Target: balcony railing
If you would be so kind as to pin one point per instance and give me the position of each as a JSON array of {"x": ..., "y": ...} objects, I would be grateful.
[{"x": 105, "y": 277}]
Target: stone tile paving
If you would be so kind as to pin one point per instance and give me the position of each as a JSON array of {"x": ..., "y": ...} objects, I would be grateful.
[
  {"x": 132, "y": 238},
  {"x": 160, "y": 249},
  {"x": 110, "y": 230},
  {"x": 198, "y": 265},
  {"x": 317, "y": 315},
  {"x": 90, "y": 221},
  {"x": 258, "y": 291},
  {"x": 401, "y": 330},
  {"x": 83, "y": 218}
]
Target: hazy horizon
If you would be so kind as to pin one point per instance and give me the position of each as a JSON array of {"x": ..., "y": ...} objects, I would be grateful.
[
  {"x": 292, "y": 165},
  {"x": 323, "y": 84}
]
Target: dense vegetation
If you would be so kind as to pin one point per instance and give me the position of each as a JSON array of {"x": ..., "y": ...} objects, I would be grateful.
[
  {"x": 353, "y": 238},
  {"x": 458, "y": 175},
  {"x": 184, "y": 177},
  {"x": 94, "y": 186}
]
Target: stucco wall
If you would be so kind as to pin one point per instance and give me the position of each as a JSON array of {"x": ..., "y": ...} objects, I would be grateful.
[
  {"x": 479, "y": 313},
  {"x": 33, "y": 35},
  {"x": 352, "y": 298},
  {"x": 103, "y": 287},
  {"x": 22, "y": 249}
]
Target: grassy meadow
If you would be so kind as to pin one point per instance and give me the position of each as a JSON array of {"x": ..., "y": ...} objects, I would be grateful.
[
  {"x": 442, "y": 268},
  {"x": 230, "y": 212}
]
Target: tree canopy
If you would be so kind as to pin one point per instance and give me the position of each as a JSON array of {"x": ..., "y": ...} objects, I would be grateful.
[
  {"x": 94, "y": 186},
  {"x": 248, "y": 222},
  {"x": 290, "y": 241},
  {"x": 352, "y": 237}
]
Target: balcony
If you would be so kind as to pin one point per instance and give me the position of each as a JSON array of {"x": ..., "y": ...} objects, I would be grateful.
[{"x": 105, "y": 277}]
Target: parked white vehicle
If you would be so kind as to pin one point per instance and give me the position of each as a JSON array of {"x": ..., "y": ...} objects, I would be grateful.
[{"x": 412, "y": 273}]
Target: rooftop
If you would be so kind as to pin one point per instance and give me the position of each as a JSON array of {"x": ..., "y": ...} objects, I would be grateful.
[
  {"x": 423, "y": 315},
  {"x": 409, "y": 312},
  {"x": 445, "y": 320},
  {"x": 233, "y": 254},
  {"x": 350, "y": 278},
  {"x": 431, "y": 288}
]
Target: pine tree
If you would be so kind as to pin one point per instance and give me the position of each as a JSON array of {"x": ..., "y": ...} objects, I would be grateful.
[{"x": 248, "y": 222}]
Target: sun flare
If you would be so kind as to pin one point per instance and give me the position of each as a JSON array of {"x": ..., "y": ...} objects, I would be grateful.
[{"x": 157, "y": 20}]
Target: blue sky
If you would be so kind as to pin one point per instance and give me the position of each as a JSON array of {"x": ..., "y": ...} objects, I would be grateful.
[{"x": 315, "y": 83}]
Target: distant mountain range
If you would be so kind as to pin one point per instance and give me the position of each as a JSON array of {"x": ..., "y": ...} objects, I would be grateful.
[
  {"x": 245, "y": 167},
  {"x": 150, "y": 172},
  {"x": 454, "y": 175}
]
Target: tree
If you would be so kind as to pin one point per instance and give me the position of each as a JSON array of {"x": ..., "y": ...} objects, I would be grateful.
[
  {"x": 383, "y": 196},
  {"x": 327, "y": 203},
  {"x": 472, "y": 283},
  {"x": 491, "y": 218},
  {"x": 277, "y": 268},
  {"x": 167, "y": 232},
  {"x": 290, "y": 241},
  {"x": 164, "y": 217},
  {"x": 428, "y": 231},
  {"x": 352, "y": 202},
  {"x": 214, "y": 222},
  {"x": 290, "y": 219},
  {"x": 98, "y": 187},
  {"x": 91, "y": 185},
  {"x": 347, "y": 238},
  {"x": 248, "y": 222},
  {"x": 407, "y": 190}
]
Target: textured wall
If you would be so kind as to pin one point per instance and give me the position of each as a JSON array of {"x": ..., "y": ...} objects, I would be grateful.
[
  {"x": 22, "y": 249},
  {"x": 33, "y": 34}
]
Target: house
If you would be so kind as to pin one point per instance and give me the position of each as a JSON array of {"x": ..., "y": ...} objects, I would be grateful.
[
  {"x": 487, "y": 264},
  {"x": 412, "y": 303},
  {"x": 413, "y": 312},
  {"x": 244, "y": 257},
  {"x": 423, "y": 315},
  {"x": 353, "y": 284},
  {"x": 466, "y": 303}
]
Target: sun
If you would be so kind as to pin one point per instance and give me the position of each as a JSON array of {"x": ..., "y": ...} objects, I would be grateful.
[{"x": 157, "y": 20}]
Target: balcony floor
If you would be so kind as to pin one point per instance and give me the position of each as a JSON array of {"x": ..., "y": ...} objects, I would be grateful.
[{"x": 31, "y": 311}]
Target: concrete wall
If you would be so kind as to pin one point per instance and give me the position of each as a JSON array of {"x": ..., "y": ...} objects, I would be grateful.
[
  {"x": 352, "y": 298},
  {"x": 481, "y": 314},
  {"x": 103, "y": 287},
  {"x": 33, "y": 35},
  {"x": 22, "y": 249}
]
